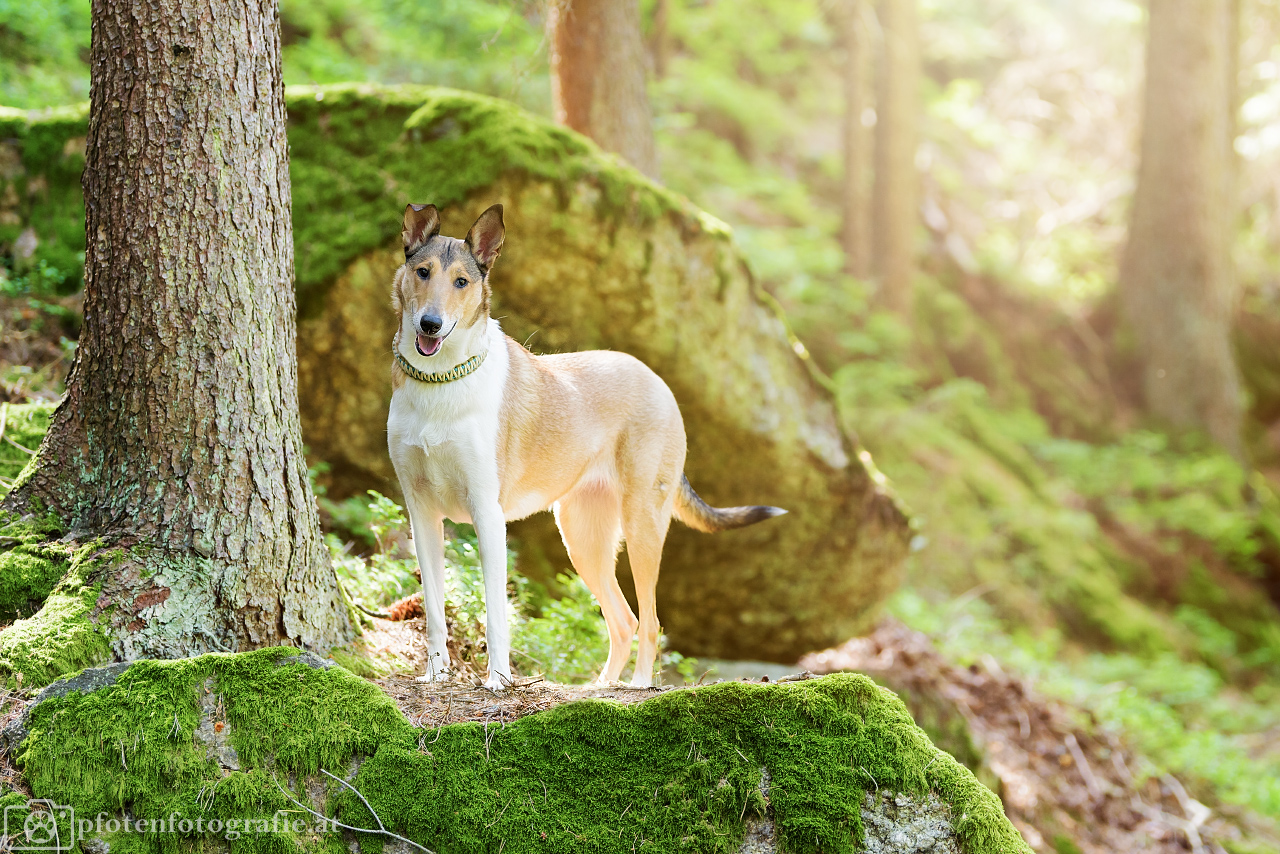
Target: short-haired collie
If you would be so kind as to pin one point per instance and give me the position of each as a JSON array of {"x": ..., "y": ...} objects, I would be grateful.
[{"x": 483, "y": 431}]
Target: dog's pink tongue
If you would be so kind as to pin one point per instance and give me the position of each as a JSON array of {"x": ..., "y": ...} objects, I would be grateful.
[{"x": 427, "y": 345}]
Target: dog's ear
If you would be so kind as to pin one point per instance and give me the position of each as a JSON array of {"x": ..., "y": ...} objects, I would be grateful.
[
  {"x": 421, "y": 223},
  {"x": 485, "y": 238}
]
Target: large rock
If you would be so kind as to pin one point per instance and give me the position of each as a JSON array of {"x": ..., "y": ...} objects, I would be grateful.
[
  {"x": 596, "y": 256},
  {"x": 227, "y": 746}
]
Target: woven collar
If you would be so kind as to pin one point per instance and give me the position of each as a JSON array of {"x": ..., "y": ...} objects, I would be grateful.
[{"x": 457, "y": 372}]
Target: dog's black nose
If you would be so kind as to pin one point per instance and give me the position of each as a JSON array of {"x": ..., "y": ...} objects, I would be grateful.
[{"x": 430, "y": 324}]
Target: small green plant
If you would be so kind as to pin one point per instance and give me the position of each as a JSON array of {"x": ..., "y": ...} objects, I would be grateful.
[{"x": 42, "y": 280}]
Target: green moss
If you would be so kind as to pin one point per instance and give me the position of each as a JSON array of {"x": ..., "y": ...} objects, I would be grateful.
[
  {"x": 59, "y": 638},
  {"x": 359, "y": 153},
  {"x": 677, "y": 772},
  {"x": 27, "y": 574},
  {"x": 31, "y": 565}
]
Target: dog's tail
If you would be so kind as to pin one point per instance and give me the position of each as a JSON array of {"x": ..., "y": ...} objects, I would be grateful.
[{"x": 701, "y": 516}]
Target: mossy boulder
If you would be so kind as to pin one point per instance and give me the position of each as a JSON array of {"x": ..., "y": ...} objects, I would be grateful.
[
  {"x": 596, "y": 256},
  {"x": 247, "y": 738}
]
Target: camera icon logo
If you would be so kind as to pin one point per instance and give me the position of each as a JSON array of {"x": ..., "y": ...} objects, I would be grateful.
[{"x": 39, "y": 825}]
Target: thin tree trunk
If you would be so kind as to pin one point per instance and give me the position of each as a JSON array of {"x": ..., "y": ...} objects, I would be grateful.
[
  {"x": 895, "y": 193},
  {"x": 1177, "y": 277},
  {"x": 661, "y": 38},
  {"x": 597, "y": 76},
  {"x": 855, "y": 232},
  {"x": 179, "y": 438}
]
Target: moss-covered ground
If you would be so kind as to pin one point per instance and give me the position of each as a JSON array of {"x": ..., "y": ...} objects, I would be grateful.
[
  {"x": 44, "y": 596},
  {"x": 56, "y": 635},
  {"x": 677, "y": 772}
]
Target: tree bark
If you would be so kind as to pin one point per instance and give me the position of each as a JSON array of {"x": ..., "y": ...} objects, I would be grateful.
[
  {"x": 179, "y": 439},
  {"x": 597, "y": 76},
  {"x": 895, "y": 192},
  {"x": 855, "y": 232},
  {"x": 1177, "y": 277}
]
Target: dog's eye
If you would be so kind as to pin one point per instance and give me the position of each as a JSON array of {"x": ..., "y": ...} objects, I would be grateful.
[
  {"x": 423, "y": 273},
  {"x": 461, "y": 283}
]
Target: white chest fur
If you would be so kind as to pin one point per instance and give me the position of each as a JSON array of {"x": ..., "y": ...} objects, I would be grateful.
[{"x": 443, "y": 436}]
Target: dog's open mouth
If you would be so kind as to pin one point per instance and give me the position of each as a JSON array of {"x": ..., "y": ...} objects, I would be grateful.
[{"x": 429, "y": 345}]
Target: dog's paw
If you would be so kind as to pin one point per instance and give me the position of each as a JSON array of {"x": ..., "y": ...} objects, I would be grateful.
[
  {"x": 442, "y": 674},
  {"x": 498, "y": 681}
]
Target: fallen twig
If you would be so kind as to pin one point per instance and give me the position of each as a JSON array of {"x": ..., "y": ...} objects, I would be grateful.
[
  {"x": 19, "y": 447},
  {"x": 381, "y": 829},
  {"x": 1090, "y": 781}
]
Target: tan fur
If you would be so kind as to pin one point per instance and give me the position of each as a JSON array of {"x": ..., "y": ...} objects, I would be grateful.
[{"x": 596, "y": 436}]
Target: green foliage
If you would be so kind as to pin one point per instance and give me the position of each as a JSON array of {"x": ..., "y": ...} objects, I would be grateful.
[
  {"x": 566, "y": 639},
  {"x": 45, "y": 280},
  {"x": 43, "y": 52},
  {"x": 682, "y": 768},
  {"x": 1143, "y": 482},
  {"x": 481, "y": 45},
  {"x": 42, "y": 157},
  {"x": 373, "y": 582}
]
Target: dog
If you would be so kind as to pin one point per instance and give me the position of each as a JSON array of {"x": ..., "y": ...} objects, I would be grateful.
[{"x": 482, "y": 431}]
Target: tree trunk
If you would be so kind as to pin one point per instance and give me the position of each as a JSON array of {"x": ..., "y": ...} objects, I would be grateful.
[
  {"x": 1177, "y": 277},
  {"x": 895, "y": 192},
  {"x": 661, "y": 39},
  {"x": 597, "y": 76},
  {"x": 179, "y": 440},
  {"x": 855, "y": 232}
]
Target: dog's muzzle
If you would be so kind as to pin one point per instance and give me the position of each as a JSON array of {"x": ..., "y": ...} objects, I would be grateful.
[{"x": 429, "y": 337}]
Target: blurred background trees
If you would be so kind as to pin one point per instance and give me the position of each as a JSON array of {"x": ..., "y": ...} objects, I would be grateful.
[
  {"x": 1178, "y": 280},
  {"x": 597, "y": 63}
]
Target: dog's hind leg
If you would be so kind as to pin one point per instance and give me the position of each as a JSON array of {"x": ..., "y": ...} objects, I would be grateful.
[
  {"x": 645, "y": 524},
  {"x": 590, "y": 524}
]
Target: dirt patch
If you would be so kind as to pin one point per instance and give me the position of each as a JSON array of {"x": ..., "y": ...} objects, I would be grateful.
[{"x": 433, "y": 704}]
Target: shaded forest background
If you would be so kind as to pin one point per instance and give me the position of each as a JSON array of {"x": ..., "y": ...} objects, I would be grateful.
[{"x": 1066, "y": 532}]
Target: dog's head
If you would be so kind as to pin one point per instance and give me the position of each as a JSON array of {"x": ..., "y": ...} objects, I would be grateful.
[{"x": 444, "y": 283}]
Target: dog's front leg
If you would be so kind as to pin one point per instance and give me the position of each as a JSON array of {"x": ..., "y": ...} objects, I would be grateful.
[
  {"x": 428, "y": 543},
  {"x": 491, "y": 531}
]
